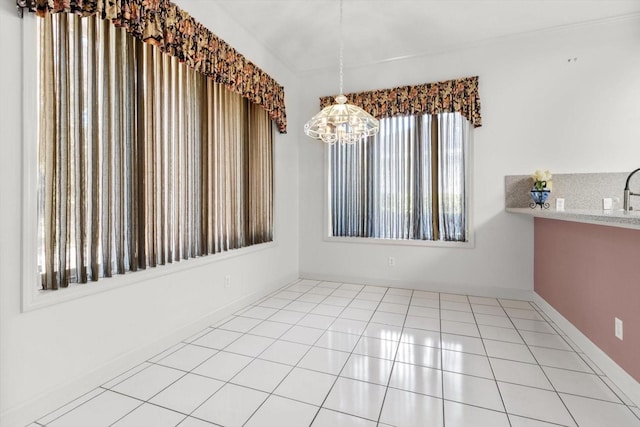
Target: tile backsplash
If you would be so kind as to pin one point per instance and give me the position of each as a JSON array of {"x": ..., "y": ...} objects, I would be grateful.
[{"x": 579, "y": 190}]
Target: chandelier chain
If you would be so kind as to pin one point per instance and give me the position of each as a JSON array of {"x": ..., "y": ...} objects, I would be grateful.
[
  {"x": 341, "y": 51},
  {"x": 342, "y": 122}
]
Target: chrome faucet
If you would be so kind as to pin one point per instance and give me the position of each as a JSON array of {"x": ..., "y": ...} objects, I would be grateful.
[{"x": 628, "y": 193}]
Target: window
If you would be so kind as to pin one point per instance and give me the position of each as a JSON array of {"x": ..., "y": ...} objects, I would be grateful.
[
  {"x": 409, "y": 182},
  {"x": 142, "y": 160}
]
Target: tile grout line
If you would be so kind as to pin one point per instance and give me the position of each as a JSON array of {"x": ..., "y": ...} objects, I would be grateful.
[
  {"x": 143, "y": 402},
  {"x": 441, "y": 358},
  {"x": 395, "y": 356},
  {"x": 299, "y": 360},
  {"x": 311, "y": 346},
  {"x": 100, "y": 390},
  {"x": 540, "y": 366},
  {"x": 539, "y": 310},
  {"x": 75, "y": 407},
  {"x": 534, "y": 364},
  {"x": 182, "y": 345},
  {"x": 220, "y": 350},
  {"x": 191, "y": 340},
  {"x": 350, "y": 354},
  {"x": 286, "y": 286},
  {"x": 489, "y": 360},
  {"x": 204, "y": 361}
]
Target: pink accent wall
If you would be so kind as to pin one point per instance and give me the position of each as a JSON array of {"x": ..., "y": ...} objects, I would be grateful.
[{"x": 591, "y": 274}]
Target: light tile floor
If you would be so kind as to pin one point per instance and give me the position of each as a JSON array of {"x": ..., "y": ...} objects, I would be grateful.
[{"x": 326, "y": 354}]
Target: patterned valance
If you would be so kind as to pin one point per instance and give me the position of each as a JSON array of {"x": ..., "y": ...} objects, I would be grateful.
[
  {"x": 458, "y": 95},
  {"x": 172, "y": 29}
]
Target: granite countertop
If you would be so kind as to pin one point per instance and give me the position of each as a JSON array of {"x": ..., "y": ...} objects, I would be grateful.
[{"x": 614, "y": 218}]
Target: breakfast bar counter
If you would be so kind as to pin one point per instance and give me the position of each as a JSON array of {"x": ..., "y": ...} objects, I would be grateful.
[{"x": 615, "y": 218}]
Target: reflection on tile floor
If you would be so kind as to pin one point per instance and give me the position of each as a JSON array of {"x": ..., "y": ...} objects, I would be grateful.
[{"x": 327, "y": 354}]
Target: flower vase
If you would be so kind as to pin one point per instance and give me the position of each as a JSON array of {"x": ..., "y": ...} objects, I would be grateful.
[{"x": 539, "y": 198}]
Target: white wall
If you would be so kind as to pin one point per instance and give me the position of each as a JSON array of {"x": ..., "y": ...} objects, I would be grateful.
[
  {"x": 539, "y": 112},
  {"x": 49, "y": 354}
]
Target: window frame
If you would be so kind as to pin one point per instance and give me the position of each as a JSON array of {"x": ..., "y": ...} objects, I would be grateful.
[
  {"x": 468, "y": 244},
  {"x": 33, "y": 298}
]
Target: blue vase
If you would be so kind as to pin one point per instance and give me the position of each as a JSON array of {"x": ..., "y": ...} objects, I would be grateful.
[{"x": 540, "y": 198}]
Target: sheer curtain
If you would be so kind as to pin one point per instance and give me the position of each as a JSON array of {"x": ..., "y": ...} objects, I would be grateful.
[
  {"x": 453, "y": 139},
  {"x": 406, "y": 183},
  {"x": 142, "y": 160}
]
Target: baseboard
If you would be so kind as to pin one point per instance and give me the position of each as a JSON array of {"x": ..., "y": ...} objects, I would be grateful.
[
  {"x": 51, "y": 400},
  {"x": 627, "y": 384},
  {"x": 425, "y": 285}
]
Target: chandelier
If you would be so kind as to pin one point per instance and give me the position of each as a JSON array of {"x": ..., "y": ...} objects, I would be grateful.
[{"x": 341, "y": 122}]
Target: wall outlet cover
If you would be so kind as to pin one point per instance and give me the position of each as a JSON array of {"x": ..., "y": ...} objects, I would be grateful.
[{"x": 618, "y": 328}]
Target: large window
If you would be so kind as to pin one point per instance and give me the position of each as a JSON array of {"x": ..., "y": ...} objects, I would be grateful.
[
  {"x": 409, "y": 182},
  {"x": 142, "y": 160}
]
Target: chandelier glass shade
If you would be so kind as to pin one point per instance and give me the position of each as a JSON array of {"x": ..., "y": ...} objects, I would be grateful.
[{"x": 341, "y": 122}]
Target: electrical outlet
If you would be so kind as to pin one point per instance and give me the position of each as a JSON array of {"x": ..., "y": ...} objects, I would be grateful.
[
  {"x": 392, "y": 261},
  {"x": 616, "y": 204},
  {"x": 618, "y": 323},
  {"x": 227, "y": 281}
]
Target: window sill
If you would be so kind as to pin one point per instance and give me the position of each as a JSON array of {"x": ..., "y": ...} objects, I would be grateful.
[
  {"x": 470, "y": 244},
  {"x": 41, "y": 299}
]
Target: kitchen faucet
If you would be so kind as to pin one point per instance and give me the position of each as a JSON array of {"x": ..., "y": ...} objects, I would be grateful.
[{"x": 628, "y": 193}]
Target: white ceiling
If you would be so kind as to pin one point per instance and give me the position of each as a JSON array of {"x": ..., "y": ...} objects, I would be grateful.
[{"x": 304, "y": 34}]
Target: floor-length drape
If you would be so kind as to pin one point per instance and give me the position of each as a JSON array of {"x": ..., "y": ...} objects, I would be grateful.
[{"x": 142, "y": 160}]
